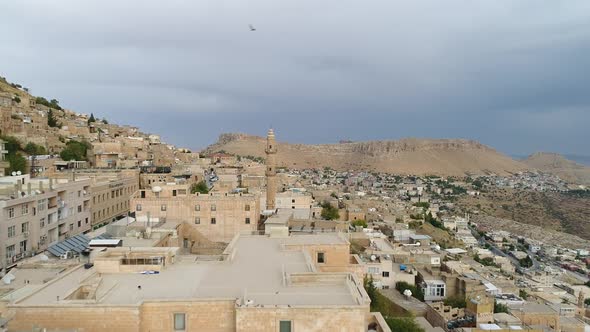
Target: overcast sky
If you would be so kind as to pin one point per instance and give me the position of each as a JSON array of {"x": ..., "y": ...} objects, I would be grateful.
[{"x": 511, "y": 74}]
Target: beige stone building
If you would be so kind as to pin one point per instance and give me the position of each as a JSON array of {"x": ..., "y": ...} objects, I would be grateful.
[
  {"x": 35, "y": 213},
  {"x": 218, "y": 216},
  {"x": 111, "y": 192},
  {"x": 235, "y": 292},
  {"x": 111, "y": 196}
]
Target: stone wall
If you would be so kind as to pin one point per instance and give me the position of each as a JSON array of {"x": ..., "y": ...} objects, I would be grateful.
[{"x": 309, "y": 319}]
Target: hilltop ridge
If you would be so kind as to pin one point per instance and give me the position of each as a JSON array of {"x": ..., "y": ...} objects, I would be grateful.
[
  {"x": 557, "y": 164},
  {"x": 405, "y": 156}
]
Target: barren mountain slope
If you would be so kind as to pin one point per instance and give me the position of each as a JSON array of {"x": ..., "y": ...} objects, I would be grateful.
[
  {"x": 406, "y": 156},
  {"x": 560, "y": 166}
]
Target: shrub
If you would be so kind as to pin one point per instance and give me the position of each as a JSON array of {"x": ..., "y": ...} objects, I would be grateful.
[
  {"x": 360, "y": 222},
  {"x": 456, "y": 302},
  {"x": 200, "y": 187},
  {"x": 329, "y": 212},
  {"x": 401, "y": 286},
  {"x": 75, "y": 150}
]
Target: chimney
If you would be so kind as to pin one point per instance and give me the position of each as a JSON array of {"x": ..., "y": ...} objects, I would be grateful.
[{"x": 51, "y": 184}]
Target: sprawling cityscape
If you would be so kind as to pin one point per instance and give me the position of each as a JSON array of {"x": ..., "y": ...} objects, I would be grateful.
[{"x": 363, "y": 179}]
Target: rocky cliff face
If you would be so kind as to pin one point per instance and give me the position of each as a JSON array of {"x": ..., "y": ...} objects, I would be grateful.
[{"x": 406, "y": 156}]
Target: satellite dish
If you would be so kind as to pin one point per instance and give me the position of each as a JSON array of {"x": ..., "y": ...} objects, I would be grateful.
[
  {"x": 373, "y": 257},
  {"x": 418, "y": 243},
  {"x": 407, "y": 293},
  {"x": 13, "y": 173},
  {"x": 157, "y": 189},
  {"x": 19, "y": 173}
]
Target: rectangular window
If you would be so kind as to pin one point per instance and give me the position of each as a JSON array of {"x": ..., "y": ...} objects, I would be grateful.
[
  {"x": 197, "y": 207},
  {"x": 163, "y": 207},
  {"x": 197, "y": 220},
  {"x": 285, "y": 326},
  {"x": 71, "y": 227},
  {"x": 41, "y": 204},
  {"x": 247, "y": 207},
  {"x": 174, "y": 193},
  {"x": 373, "y": 270},
  {"x": 42, "y": 222},
  {"x": 79, "y": 208},
  {"x": 247, "y": 221},
  {"x": 10, "y": 251},
  {"x": 292, "y": 201},
  {"x": 213, "y": 221},
  {"x": 79, "y": 223},
  {"x": 385, "y": 274},
  {"x": 213, "y": 207},
  {"x": 11, "y": 231},
  {"x": 23, "y": 246},
  {"x": 24, "y": 227},
  {"x": 321, "y": 258},
  {"x": 179, "y": 322},
  {"x": 25, "y": 209},
  {"x": 138, "y": 207},
  {"x": 11, "y": 213}
]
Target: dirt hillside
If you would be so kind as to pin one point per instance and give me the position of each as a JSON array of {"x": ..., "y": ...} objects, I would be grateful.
[
  {"x": 560, "y": 166},
  {"x": 407, "y": 156}
]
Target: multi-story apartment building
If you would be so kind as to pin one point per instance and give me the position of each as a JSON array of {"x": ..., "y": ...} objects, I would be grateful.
[
  {"x": 3, "y": 163},
  {"x": 218, "y": 216},
  {"x": 111, "y": 191},
  {"x": 35, "y": 213},
  {"x": 111, "y": 196}
]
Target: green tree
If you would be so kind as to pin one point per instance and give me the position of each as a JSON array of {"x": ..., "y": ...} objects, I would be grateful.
[
  {"x": 17, "y": 163},
  {"x": 200, "y": 187},
  {"x": 360, "y": 222},
  {"x": 35, "y": 149},
  {"x": 51, "y": 120},
  {"x": 499, "y": 307},
  {"x": 425, "y": 205},
  {"x": 12, "y": 144},
  {"x": 329, "y": 212},
  {"x": 105, "y": 121},
  {"x": 417, "y": 292},
  {"x": 523, "y": 294},
  {"x": 456, "y": 302},
  {"x": 75, "y": 150},
  {"x": 526, "y": 262},
  {"x": 372, "y": 292},
  {"x": 54, "y": 103},
  {"x": 16, "y": 99},
  {"x": 403, "y": 324}
]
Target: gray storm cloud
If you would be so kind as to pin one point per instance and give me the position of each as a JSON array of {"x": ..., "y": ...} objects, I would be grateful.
[{"x": 511, "y": 74}]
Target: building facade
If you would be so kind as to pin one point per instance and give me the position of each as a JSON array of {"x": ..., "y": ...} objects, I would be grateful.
[
  {"x": 3, "y": 163},
  {"x": 35, "y": 213},
  {"x": 111, "y": 197},
  {"x": 218, "y": 216}
]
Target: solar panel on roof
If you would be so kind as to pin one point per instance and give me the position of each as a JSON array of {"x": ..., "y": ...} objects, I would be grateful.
[{"x": 76, "y": 243}]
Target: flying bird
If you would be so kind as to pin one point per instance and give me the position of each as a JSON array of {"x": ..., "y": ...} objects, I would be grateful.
[{"x": 252, "y": 28}]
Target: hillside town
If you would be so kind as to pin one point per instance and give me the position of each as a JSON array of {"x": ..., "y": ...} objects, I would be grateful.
[{"x": 104, "y": 227}]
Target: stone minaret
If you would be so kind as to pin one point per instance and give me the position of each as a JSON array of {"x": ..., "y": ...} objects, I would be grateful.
[{"x": 271, "y": 172}]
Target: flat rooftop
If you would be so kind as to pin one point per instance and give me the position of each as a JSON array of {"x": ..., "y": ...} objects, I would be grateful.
[{"x": 256, "y": 272}]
